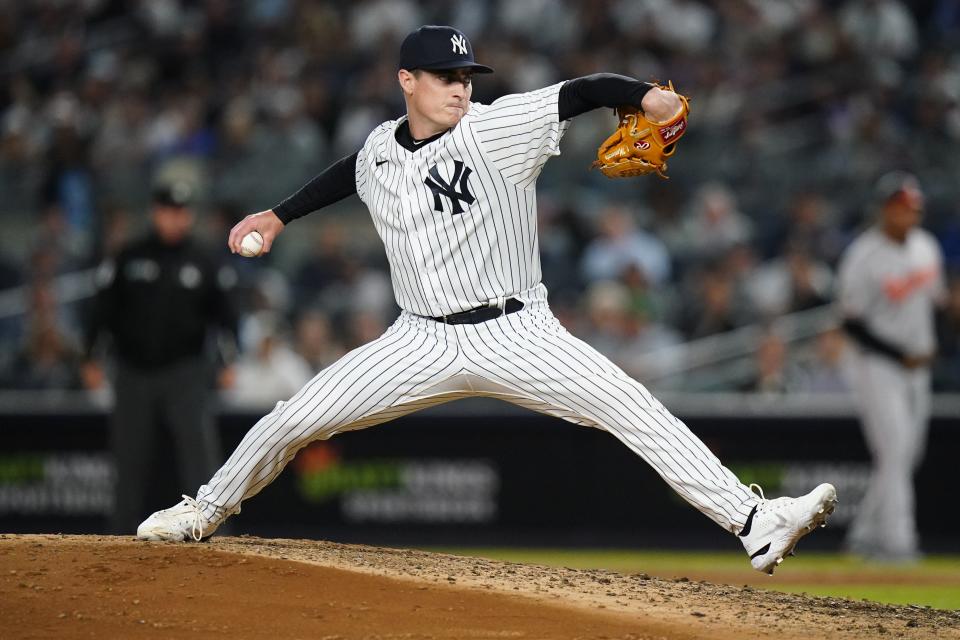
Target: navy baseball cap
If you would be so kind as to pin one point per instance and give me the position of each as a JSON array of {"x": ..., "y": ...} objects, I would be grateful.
[{"x": 434, "y": 47}]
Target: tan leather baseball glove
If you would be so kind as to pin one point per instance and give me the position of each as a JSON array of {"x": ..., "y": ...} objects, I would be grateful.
[{"x": 639, "y": 146}]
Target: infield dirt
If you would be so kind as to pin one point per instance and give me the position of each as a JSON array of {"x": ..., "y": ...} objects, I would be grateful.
[{"x": 67, "y": 587}]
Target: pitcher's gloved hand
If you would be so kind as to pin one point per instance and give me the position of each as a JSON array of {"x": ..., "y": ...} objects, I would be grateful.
[{"x": 640, "y": 146}]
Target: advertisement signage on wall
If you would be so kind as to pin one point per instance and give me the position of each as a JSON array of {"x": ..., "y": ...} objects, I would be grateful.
[
  {"x": 397, "y": 490},
  {"x": 449, "y": 478}
]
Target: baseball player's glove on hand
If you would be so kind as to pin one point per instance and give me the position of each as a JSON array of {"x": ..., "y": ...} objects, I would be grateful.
[{"x": 639, "y": 146}]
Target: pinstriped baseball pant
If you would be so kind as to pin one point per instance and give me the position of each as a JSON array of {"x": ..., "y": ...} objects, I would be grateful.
[{"x": 526, "y": 358}]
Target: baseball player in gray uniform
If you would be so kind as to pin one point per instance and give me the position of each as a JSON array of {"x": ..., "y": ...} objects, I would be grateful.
[
  {"x": 891, "y": 277},
  {"x": 451, "y": 190}
]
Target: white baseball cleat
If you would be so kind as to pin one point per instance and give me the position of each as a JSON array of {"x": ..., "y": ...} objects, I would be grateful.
[
  {"x": 778, "y": 524},
  {"x": 182, "y": 521}
]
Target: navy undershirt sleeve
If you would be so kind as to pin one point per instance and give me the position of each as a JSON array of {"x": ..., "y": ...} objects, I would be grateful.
[
  {"x": 599, "y": 90},
  {"x": 333, "y": 184},
  {"x": 576, "y": 96}
]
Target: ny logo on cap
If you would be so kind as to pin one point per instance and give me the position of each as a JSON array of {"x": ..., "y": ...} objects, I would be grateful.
[{"x": 459, "y": 44}]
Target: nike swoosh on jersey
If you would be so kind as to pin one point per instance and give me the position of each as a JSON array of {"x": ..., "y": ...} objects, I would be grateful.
[{"x": 380, "y": 162}]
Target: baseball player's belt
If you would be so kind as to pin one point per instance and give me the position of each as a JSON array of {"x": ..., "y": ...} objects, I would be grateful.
[{"x": 482, "y": 314}]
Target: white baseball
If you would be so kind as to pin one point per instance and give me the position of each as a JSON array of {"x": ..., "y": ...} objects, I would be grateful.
[{"x": 251, "y": 245}]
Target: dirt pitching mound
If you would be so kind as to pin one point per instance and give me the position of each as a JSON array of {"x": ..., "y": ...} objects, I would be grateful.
[{"x": 68, "y": 587}]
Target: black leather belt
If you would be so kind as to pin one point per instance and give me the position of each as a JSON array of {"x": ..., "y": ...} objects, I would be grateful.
[{"x": 481, "y": 314}]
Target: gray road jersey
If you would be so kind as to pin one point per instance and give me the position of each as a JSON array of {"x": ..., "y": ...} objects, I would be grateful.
[{"x": 893, "y": 288}]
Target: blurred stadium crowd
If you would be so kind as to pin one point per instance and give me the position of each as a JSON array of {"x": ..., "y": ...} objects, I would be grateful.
[{"x": 797, "y": 107}]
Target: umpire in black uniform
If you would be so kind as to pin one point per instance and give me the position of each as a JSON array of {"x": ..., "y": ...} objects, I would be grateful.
[{"x": 158, "y": 301}]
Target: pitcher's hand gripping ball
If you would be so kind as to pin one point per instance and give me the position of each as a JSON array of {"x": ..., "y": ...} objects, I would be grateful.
[
  {"x": 640, "y": 146},
  {"x": 251, "y": 245}
]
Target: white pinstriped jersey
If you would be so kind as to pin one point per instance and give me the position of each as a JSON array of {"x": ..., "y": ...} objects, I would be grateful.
[{"x": 458, "y": 217}]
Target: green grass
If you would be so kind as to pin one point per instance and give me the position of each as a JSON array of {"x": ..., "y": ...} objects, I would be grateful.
[
  {"x": 935, "y": 581},
  {"x": 937, "y": 596}
]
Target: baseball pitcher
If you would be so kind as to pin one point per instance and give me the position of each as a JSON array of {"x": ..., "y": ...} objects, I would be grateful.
[{"x": 451, "y": 190}]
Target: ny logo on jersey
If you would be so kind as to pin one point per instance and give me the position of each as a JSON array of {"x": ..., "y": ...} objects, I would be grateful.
[
  {"x": 441, "y": 187},
  {"x": 459, "y": 44}
]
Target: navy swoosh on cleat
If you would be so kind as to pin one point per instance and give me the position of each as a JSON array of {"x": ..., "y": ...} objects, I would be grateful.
[
  {"x": 761, "y": 551},
  {"x": 746, "y": 528}
]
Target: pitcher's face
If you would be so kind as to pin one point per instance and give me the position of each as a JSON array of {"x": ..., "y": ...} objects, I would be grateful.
[{"x": 442, "y": 97}]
